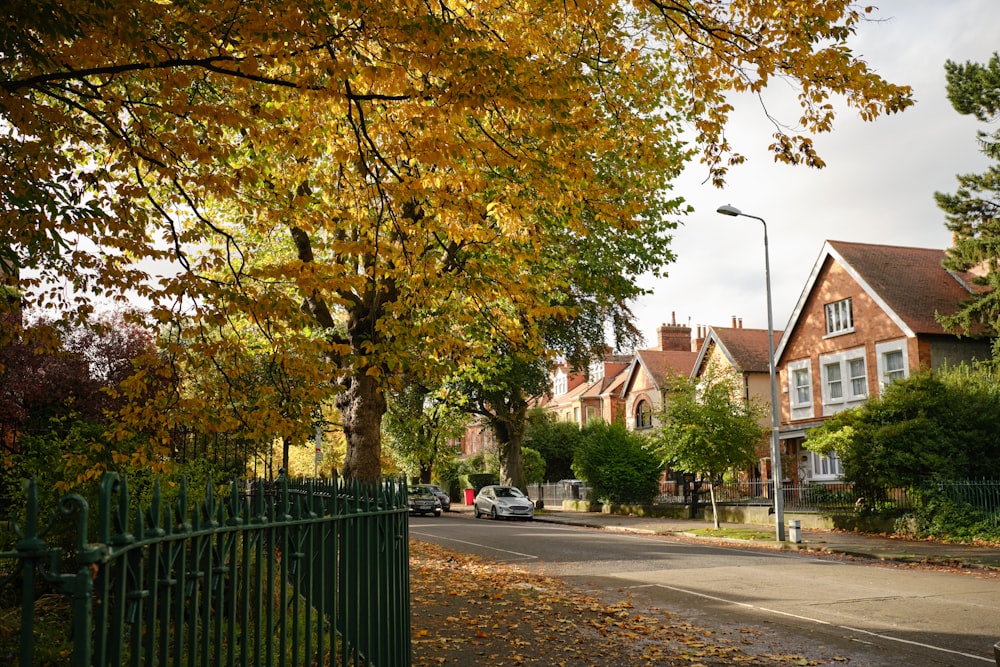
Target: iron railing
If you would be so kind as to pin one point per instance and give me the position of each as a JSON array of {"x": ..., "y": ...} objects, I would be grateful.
[
  {"x": 814, "y": 496},
  {"x": 554, "y": 493},
  {"x": 313, "y": 573}
]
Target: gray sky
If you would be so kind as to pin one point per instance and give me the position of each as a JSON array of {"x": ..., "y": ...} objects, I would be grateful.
[{"x": 877, "y": 187}]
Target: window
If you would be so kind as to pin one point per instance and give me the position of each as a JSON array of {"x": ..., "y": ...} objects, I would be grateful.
[
  {"x": 839, "y": 318},
  {"x": 892, "y": 362},
  {"x": 894, "y": 369},
  {"x": 858, "y": 376},
  {"x": 596, "y": 371},
  {"x": 834, "y": 387},
  {"x": 643, "y": 415},
  {"x": 825, "y": 466},
  {"x": 800, "y": 397},
  {"x": 559, "y": 384},
  {"x": 591, "y": 413},
  {"x": 803, "y": 390},
  {"x": 845, "y": 379}
]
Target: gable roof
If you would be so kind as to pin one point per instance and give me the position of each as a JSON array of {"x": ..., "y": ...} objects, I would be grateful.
[
  {"x": 659, "y": 365},
  {"x": 909, "y": 284},
  {"x": 745, "y": 349}
]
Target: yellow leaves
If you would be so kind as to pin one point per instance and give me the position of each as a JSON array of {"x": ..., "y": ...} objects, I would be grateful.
[{"x": 468, "y": 610}]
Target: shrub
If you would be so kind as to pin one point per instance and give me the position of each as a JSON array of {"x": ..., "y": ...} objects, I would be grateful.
[{"x": 617, "y": 463}]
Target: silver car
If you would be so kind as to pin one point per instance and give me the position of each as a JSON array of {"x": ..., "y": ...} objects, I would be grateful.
[{"x": 498, "y": 501}]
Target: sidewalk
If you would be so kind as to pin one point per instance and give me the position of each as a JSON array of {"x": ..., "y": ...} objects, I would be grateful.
[{"x": 830, "y": 541}]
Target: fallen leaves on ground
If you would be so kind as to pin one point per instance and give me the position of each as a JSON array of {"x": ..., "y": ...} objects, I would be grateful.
[{"x": 471, "y": 611}]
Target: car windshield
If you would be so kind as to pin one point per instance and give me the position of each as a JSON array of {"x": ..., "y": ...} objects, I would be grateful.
[
  {"x": 417, "y": 491},
  {"x": 509, "y": 492}
]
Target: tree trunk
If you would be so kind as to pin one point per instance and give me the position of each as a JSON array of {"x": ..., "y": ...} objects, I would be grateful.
[
  {"x": 509, "y": 430},
  {"x": 362, "y": 404}
]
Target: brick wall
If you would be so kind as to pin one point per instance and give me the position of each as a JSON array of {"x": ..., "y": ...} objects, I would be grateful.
[{"x": 871, "y": 326}]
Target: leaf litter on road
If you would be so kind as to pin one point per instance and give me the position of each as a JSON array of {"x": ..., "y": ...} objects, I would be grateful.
[{"x": 472, "y": 611}]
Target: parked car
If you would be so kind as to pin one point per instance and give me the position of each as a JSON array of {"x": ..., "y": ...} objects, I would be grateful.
[
  {"x": 439, "y": 494},
  {"x": 422, "y": 501},
  {"x": 503, "y": 501}
]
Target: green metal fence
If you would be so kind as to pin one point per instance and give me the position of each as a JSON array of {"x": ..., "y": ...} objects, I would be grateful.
[{"x": 312, "y": 573}]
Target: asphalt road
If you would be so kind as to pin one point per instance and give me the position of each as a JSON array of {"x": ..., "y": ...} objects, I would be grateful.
[{"x": 872, "y": 615}]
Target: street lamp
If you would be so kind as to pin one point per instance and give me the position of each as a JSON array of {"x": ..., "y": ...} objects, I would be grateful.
[{"x": 779, "y": 500}]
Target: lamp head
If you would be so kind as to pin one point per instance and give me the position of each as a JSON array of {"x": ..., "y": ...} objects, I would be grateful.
[{"x": 729, "y": 210}]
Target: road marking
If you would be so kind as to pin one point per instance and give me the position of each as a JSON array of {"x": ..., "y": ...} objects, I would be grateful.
[
  {"x": 817, "y": 621},
  {"x": 474, "y": 544}
]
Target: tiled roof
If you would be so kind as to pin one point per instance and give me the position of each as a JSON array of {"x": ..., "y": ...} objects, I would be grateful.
[
  {"x": 661, "y": 364},
  {"x": 910, "y": 281},
  {"x": 747, "y": 349}
]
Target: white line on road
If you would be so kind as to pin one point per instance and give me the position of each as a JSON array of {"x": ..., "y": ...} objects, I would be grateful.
[
  {"x": 474, "y": 544},
  {"x": 817, "y": 621}
]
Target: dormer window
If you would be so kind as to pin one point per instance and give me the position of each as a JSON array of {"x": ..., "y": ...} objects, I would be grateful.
[
  {"x": 839, "y": 317},
  {"x": 560, "y": 384}
]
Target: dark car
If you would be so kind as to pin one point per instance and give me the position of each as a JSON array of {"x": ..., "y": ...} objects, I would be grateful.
[
  {"x": 422, "y": 501},
  {"x": 498, "y": 501},
  {"x": 440, "y": 494}
]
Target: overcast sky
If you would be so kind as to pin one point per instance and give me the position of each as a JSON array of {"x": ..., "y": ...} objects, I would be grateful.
[{"x": 878, "y": 185}]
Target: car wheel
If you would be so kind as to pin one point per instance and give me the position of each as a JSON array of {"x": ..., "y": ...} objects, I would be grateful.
[
  {"x": 475, "y": 510},
  {"x": 438, "y": 513},
  {"x": 493, "y": 513}
]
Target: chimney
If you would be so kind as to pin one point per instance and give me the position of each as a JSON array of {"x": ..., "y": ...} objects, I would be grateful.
[
  {"x": 734, "y": 322},
  {"x": 699, "y": 339},
  {"x": 674, "y": 337},
  {"x": 740, "y": 322}
]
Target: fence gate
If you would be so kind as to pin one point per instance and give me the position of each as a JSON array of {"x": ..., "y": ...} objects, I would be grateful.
[{"x": 313, "y": 573}]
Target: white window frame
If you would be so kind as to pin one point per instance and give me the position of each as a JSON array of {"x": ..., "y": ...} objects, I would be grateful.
[
  {"x": 640, "y": 422},
  {"x": 560, "y": 383},
  {"x": 825, "y": 466},
  {"x": 882, "y": 351},
  {"x": 839, "y": 317},
  {"x": 845, "y": 380},
  {"x": 799, "y": 409}
]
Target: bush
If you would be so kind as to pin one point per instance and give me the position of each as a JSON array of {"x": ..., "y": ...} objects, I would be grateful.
[
  {"x": 555, "y": 441},
  {"x": 617, "y": 464},
  {"x": 534, "y": 466},
  {"x": 940, "y": 516}
]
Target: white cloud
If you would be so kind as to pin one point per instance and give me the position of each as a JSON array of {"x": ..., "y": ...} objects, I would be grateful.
[{"x": 878, "y": 186}]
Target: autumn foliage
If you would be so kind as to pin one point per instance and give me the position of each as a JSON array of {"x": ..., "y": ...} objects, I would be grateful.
[{"x": 316, "y": 198}]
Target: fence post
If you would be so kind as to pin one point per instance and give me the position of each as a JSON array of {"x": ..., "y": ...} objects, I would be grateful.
[{"x": 31, "y": 547}]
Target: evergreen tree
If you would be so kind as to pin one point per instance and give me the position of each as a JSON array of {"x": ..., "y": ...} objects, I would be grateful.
[{"x": 973, "y": 211}]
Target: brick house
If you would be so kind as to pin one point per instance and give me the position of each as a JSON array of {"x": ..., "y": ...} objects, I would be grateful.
[
  {"x": 744, "y": 353},
  {"x": 865, "y": 318},
  {"x": 647, "y": 379},
  {"x": 581, "y": 398}
]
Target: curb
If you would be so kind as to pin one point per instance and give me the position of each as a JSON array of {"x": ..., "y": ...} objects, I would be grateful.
[{"x": 787, "y": 546}]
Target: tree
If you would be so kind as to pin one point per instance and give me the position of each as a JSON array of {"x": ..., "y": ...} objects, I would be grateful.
[
  {"x": 708, "y": 428},
  {"x": 499, "y": 389},
  {"x": 357, "y": 181},
  {"x": 556, "y": 441},
  {"x": 534, "y": 466},
  {"x": 618, "y": 464},
  {"x": 928, "y": 426},
  {"x": 420, "y": 426},
  {"x": 973, "y": 211},
  {"x": 55, "y": 404}
]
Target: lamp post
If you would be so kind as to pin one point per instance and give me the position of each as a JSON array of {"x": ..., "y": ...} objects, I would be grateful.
[{"x": 779, "y": 500}]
